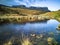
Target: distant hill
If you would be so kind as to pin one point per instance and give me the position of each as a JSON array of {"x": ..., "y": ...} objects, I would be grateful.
[
  {"x": 32, "y": 8},
  {"x": 19, "y": 6},
  {"x": 22, "y": 10}
]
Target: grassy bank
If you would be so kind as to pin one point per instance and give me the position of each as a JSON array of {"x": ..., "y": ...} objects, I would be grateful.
[
  {"x": 15, "y": 18},
  {"x": 22, "y": 19},
  {"x": 54, "y": 15}
]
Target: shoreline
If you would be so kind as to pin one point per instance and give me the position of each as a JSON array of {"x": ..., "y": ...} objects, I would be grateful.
[{"x": 23, "y": 19}]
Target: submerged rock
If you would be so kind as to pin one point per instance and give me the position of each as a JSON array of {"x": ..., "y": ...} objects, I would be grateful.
[{"x": 58, "y": 28}]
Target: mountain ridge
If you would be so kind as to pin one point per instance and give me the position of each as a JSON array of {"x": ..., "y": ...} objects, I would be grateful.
[
  {"x": 22, "y": 10},
  {"x": 32, "y": 8}
]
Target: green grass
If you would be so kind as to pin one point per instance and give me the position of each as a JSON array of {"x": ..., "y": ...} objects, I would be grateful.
[{"x": 54, "y": 15}]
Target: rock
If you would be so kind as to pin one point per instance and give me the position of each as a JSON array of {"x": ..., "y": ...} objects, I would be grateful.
[{"x": 58, "y": 28}]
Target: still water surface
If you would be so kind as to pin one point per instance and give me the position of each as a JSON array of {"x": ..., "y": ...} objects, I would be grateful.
[{"x": 47, "y": 27}]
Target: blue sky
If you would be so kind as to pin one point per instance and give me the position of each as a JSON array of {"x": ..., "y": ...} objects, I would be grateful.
[{"x": 51, "y": 4}]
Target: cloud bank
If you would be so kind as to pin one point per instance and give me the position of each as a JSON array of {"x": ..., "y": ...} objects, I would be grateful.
[
  {"x": 22, "y": 2},
  {"x": 30, "y": 2}
]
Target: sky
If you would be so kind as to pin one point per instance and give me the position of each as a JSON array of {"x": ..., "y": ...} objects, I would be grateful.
[{"x": 52, "y": 5}]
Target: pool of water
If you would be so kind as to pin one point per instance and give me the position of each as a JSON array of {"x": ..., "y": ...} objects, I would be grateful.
[{"x": 47, "y": 29}]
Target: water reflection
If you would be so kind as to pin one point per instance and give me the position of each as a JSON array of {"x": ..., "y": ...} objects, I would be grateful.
[{"x": 39, "y": 33}]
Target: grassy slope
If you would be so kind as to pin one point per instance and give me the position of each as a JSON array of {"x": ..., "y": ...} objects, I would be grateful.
[
  {"x": 6, "y": 10},
  {"x": 22, "y": 11},
  {"x": 54, "y": 14},
  {"x": 19, "y": 11}
]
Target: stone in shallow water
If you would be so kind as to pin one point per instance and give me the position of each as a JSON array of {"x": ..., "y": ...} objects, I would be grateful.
[{"x": 58, "y": 28}]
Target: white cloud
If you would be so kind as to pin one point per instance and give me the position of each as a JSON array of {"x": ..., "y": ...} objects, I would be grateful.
[
  {"x": 23, "y": 2},
  {"x": 29, "y": 2},
  {"x": 18, "y": 2}
]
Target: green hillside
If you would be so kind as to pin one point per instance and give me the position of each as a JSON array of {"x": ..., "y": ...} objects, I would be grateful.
[{"x": 54, "y": 14}]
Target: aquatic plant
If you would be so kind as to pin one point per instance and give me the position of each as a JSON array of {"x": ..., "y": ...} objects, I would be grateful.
[
  {"x": 51, "y": 41},
  {"x": 26, "y": 42}
]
